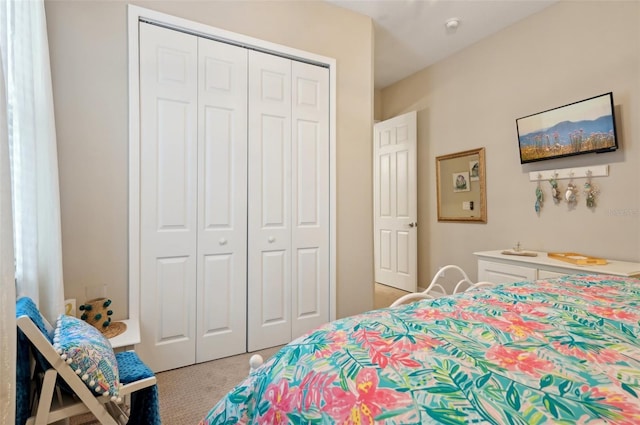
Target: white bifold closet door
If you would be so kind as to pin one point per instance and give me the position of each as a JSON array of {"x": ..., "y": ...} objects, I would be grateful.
[
  {"x": 193, "y": 198},
  {"x": 288, "y": 249},
  {"x": 234, "y": 198},
  {"x": 168, "y": 189},
  {"x": 221, "y": 317}
]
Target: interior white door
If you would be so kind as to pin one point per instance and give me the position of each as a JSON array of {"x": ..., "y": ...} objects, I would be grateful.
[
  {"x": 222, "y": 201},
  {"x": 269, "y": 212},
  {"x": 395, "y": 202},
  {"x": 168, "y": 190},
  {"x": 310, "y": 197}
]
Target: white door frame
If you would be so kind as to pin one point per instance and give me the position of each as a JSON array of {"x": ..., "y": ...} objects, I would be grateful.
[{"x": 135, "y": 14}]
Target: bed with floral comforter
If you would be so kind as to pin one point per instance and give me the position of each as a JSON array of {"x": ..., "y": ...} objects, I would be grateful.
[{"x": 562, "y": 350}]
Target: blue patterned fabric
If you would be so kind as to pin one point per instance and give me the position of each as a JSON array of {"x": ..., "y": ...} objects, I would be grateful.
[
  {"x": 89, "y": 353},
  {"x": 26, "y": 307},
  {"x": 145, "y": 407}
]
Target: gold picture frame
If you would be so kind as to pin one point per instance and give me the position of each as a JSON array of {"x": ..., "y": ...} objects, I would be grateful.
[{"x": 468, "y": 204}]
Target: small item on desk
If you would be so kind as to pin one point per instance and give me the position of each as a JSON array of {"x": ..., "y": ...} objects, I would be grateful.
[
  {"x": 518, "y": 251},
  {"x": 521, "y": 253},
  {"x": 579, "y": 259},
  {"x": 96, "y": 312}
]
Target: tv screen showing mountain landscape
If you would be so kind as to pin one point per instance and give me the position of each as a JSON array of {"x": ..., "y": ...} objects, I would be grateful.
[{"x": 580, "y": 127}]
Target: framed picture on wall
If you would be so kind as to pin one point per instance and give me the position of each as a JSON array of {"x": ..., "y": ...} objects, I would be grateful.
[
  {"x": 474, "y": 171},
  {"x": 461, "y": 182},
  {"x": 577, "y": 128}
]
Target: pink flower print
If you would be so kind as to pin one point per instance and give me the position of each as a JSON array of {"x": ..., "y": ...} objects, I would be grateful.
[
  {"x": 524, "y": 290},
  {"x": 518, "y": 307},
  {"x": 596, "y": 355},
  {"x": 619, "y": 401},
  {"x": 378, "y": 347},
  {"x": 282, "y": 400},
  {"x": 420, "y": 342},
  {"x": 476, "y": 317},
  {"x": 518, "y": 360},
  {"x": 364, "y": 401},
  {"x": 509, "y": 322},
  {"x": 531, "y": 309},
  {"x": 428, "y": 314},
  {"x": 497, "y": 303},
  {"x": 336, "y": 341},
  {"x": 383, "y": 351},
  {"x": 614, "y": 313},
  {"x": 463, "y": 303},
  {"x": 312, "y": 388},
  {"x": 517, "y": 326},
  {"x": 594, "y": 289}
]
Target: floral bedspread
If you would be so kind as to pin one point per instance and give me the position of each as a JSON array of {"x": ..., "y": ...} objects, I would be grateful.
[{"x": 562, "y": 350}]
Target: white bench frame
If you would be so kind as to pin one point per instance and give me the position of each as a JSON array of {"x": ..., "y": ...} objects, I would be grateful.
[{"x": 440, "y": 291}]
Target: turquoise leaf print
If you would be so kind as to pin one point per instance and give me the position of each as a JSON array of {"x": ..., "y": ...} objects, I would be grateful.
[{"x": 562, "y": 350}]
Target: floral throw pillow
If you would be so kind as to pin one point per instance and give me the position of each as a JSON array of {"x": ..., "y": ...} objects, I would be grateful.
[{"x": 89, "y": 354}]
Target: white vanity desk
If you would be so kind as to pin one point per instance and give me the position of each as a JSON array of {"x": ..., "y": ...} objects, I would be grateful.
[{"x": 493, "y": 266}]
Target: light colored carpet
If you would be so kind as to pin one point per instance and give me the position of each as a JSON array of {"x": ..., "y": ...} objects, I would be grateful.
[
  {"x": 188, "y": 393},
  {"x": 385, "y": 295}
]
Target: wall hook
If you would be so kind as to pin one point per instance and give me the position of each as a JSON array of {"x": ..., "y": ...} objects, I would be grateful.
[{"x": 569, "y": 173}]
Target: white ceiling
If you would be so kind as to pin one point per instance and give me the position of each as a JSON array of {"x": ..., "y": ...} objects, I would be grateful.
[{"x": 411, "y": 34}]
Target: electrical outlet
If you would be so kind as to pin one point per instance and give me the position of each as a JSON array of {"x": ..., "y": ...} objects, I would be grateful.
[
  {"x": 468, "y": 206},
  {"x": 441, "y": 274}
]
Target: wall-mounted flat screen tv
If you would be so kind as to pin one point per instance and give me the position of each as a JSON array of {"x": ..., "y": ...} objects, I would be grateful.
[{"x": 580, "y": 127}]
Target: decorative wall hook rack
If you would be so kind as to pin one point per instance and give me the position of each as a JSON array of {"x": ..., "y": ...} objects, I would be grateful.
[{"x": 569, "y": 173}]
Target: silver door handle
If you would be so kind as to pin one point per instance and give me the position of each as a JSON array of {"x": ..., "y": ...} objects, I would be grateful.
[{"x": 414, "y": 224}]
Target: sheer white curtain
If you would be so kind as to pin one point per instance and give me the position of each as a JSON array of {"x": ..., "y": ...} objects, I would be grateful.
[
  {"x": 34, "y": 159},
  {"x": 7, "y": 283}
]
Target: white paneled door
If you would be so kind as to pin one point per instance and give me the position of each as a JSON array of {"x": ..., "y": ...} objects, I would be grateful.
[
  {"x": 310, "y": 197},
  {"x": 269, "y": 243},
  {"x": 168, "y": 190},
  {"x": 221, "y": 310},
  {"x": 395, "y": 202}
]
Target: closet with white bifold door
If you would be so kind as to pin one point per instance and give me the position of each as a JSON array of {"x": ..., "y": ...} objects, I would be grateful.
[{"x": 234, "y": 198}]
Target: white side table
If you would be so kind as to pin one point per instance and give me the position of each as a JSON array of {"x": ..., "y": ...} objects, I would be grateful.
[{"x": 129, "y": 338}]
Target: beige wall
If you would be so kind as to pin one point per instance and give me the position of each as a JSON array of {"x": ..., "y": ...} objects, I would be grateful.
[
  {"x": 377, "y": 105},
  {"x": 567, "y": 52},
  {"x": 88, "y": 49}
]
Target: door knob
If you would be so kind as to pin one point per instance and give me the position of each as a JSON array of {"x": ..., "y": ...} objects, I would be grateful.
[
  {"x": 222, "y": 241},
  {"x": 271, "y": 239},
  {"x": 414, "y": 224}
]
